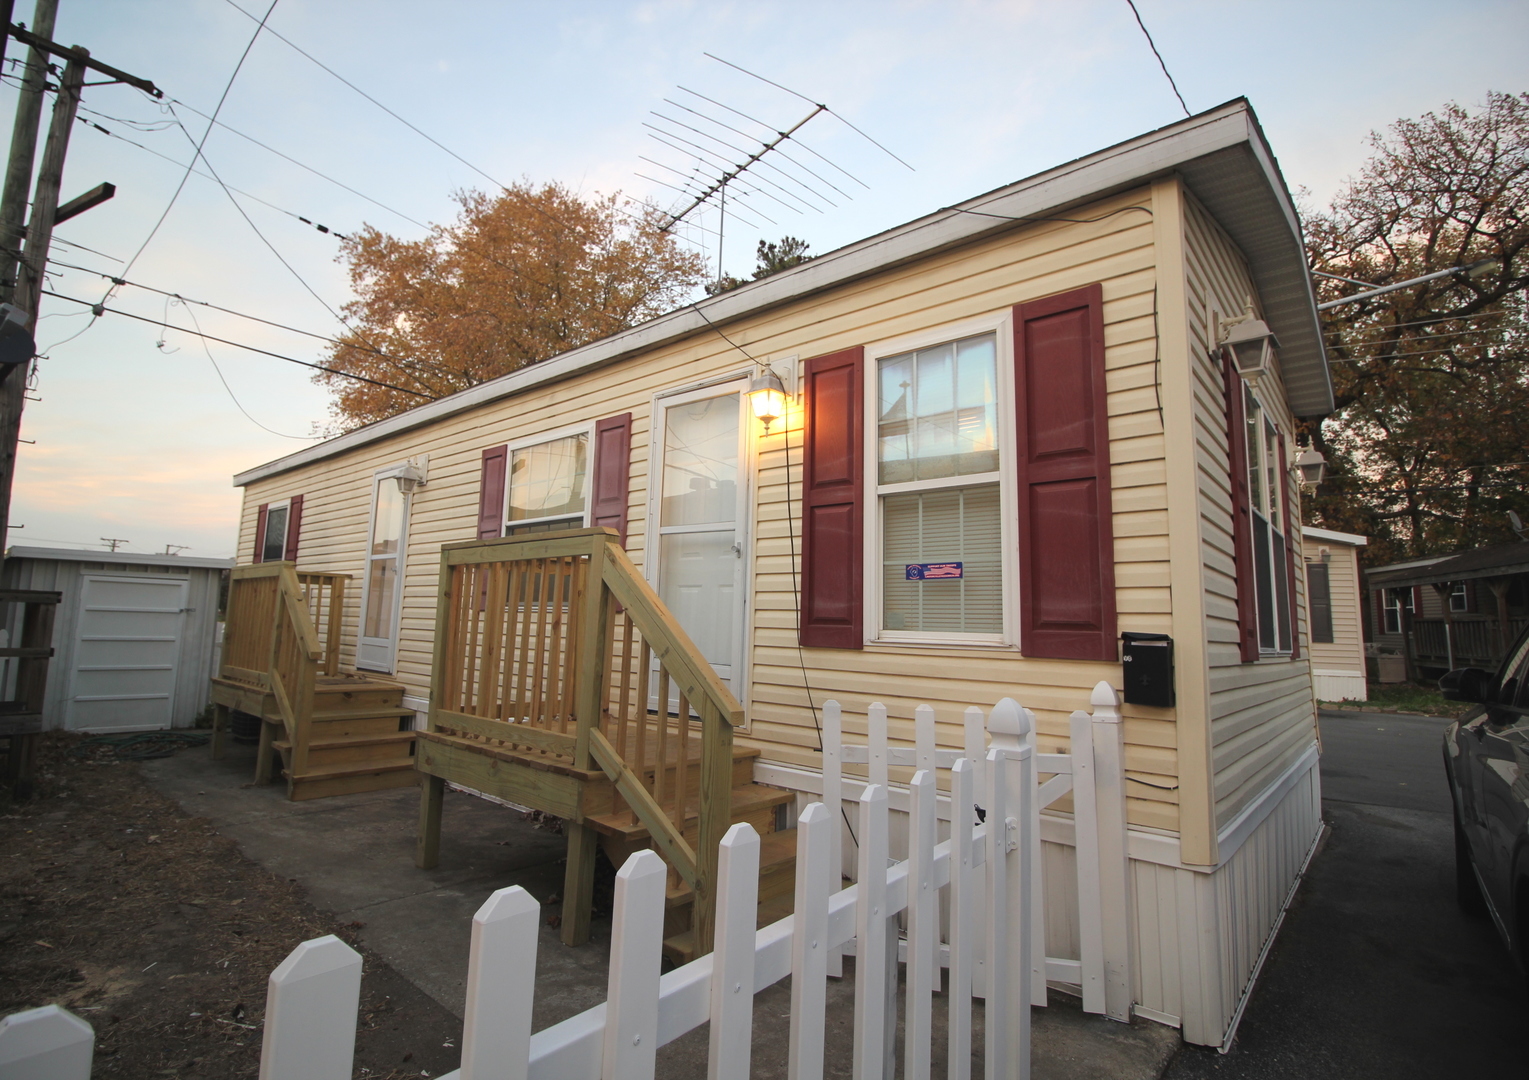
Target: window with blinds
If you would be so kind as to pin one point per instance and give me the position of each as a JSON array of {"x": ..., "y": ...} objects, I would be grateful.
[
  {"x": 937, "y": 472},
  {"x": 547, "y": 485}
]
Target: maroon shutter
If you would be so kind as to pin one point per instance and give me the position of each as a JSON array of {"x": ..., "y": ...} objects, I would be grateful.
[
  {"x": 1290, "y": 534},
  {"x": 1380, "y": 610},
  {"x": 833, "y": 511},
  {"x": 1242, "y": 511},
  {"x": 612, "y": 472},
  {"x": 491, "y": 494},
  {"x": 294, "y": 526},
  {"x": 1066, "y": 536},
  {"x": 260, "y": 532}
]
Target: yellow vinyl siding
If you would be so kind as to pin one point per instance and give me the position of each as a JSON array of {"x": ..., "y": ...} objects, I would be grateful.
[
  {"x": 1346, "y": 651},
  {"x": 972, "y": 281},
  {"x": 1262, "y": 714}
]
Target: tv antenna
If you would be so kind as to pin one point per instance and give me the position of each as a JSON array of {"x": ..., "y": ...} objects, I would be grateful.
[{"x": 749, "y": 162}]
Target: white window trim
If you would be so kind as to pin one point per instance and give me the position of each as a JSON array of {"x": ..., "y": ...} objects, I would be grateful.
[
  {"x": 1459, "y": 591},
  {"x": 699, "y": 390},
  {"x": 279, "y": 504},
  {"x": 1001, "y": 325},
  {"x": 588, "y": 431},
  {"x": 1275, "y": 483}
]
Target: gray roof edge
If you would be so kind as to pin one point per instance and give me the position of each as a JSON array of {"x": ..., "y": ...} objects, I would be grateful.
[
  {"x": 1314, "y": 533},
  {"x": 128, "y": 558},
  {"x": 1097, "y": 175}
]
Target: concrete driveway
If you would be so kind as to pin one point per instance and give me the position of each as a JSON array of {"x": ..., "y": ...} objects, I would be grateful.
[{"x": 1376, "y": 973}]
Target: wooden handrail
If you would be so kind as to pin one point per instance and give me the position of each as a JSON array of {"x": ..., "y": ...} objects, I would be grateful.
[
  {"x": 255, "y": 594},
  {"x": 532, "y": 628}
]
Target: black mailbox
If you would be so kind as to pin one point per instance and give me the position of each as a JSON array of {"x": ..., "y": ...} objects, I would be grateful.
[{"x": 1148, "y": 663}]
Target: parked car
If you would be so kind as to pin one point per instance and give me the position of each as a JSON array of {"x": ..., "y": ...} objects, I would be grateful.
[{"x": 1486, "y": 758}]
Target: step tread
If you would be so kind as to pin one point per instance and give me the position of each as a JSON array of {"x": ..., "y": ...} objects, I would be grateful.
[
  {"x": 746, "y": 799},
  {"x": 354, "y": 768},
  {"x": 362, "y": 712},
  {"x": 351, "y": 740},
  {"x": 777, "y": 851}
]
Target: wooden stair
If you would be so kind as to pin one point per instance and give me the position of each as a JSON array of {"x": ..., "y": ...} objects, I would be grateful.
[{"x": 360, "y": 738}]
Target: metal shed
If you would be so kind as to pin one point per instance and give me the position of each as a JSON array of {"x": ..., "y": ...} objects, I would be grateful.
[{"x": 133, "y": 639}]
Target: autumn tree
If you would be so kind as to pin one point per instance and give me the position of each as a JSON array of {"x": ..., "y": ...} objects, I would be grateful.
[
  {"x": 1427, "y": 447},
  {"x": 518, "y": 277}
]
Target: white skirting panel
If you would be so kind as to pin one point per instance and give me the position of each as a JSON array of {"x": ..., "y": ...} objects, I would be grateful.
[
  {"x": 1201, "y": 933},
  {"x": 1340, "y": 685}
]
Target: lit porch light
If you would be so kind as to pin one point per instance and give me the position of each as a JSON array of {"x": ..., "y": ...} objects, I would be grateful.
[{"x": 767, "y": 396}]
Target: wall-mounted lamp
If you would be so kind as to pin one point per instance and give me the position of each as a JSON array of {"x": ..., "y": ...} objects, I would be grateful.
[
  {"x": 410, "y": 477},
  {"x": 767, "y": 396},
  {"x": 1325, "y": 554},
  {"x": 1312, "y": 466},
  {"x": 1251, "y": 344}
]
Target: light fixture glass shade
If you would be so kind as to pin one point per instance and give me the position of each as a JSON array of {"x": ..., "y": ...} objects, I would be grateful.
[
  {"x": 1252, "y": 346},
  {"x": 1312, "y": 465},
  {"x": 767, "y": 396},
  {"x": 409, "y": 478}
]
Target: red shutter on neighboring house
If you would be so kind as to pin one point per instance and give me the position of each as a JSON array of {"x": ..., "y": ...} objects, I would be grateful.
[
  {"x": 1291, "y": 532},
  {"x": 260, "y": 532},
  {"x": 833, "y": 504},
  {"x": 491, "y": 494},
  {"x": 1066, "y": 535},
  {"x": 1242, "y": 511},
  {"x": 612, "y": 473},
  {"x": 294, "y": 526}
]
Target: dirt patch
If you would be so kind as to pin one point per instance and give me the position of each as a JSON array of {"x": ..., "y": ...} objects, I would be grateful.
[{"x": 118, "y": 906}]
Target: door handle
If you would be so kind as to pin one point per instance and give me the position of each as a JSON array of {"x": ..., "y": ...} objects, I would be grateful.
[{"x": 738, "y": 550}]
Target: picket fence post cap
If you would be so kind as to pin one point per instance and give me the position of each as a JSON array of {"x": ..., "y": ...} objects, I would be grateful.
[
  {"x": 642, "y": 864},
  {"x": 28, "y": 1035},
  {"x": 1009, "y": 718},
  {"x": 1104, "y": 695},
  {"x": 814, "y": 812},
  {"x": 316, "y": 957},
  {"x": 506, "y": 904},
  {"x": 739, "y": 834}
]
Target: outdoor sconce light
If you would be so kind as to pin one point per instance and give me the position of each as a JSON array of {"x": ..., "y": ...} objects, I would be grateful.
[
  {"x": 1312, "y": 466},
  {"x": 767, "y": 395},
  {"x": 1251, "y": 344},
  {"x": 410, "y": 477}
]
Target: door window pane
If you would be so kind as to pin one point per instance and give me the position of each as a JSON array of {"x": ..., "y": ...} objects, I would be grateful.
[
  {"x": 387, "y": 524},
  {"x": 548, "y": 480},
  {"x": 700, "y": 483},
  {"x": 275, "y": 541},
  {"x": 938, "y": 412},
  {"x": 382, "y": 580},
  {"x": 950, "y": 525}
]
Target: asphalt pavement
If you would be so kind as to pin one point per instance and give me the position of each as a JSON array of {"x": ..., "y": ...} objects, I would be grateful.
[{"x": 1376, "y": 973}]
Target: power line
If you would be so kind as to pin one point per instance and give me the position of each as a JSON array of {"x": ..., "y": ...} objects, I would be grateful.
[
  {"x": 239, "y": 345},
  {"x": 1160, "y": 62},
  {"x": 150, "y": 150},
  {"x": 187, "y": 175},
  {"x": 232, "y": 396},
  {"x": 374, "y": 101}
]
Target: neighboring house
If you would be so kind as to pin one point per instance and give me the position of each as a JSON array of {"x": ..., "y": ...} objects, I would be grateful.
[
  {"x": 1449, "y": 611},
  {"x": 1027, "y": 386},
  {"x": 1336, "y": 613},
  {"x": 133, "y": 637}
]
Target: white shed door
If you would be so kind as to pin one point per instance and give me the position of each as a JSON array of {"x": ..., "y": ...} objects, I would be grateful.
[{"x": 127, "y": 643}]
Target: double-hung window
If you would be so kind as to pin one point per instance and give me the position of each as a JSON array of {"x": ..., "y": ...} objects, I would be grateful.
[
  {"x": 547, "y": 485},
  {"x": 1266, "y": 477},
  {"x": 273, "y": 544},
  {"x": 938, "y": 481},
  {"x": 1396, "y": 601},
  {"x": 1459, "y": 598}
]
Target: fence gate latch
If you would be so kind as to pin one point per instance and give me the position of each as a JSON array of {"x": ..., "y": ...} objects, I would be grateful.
[{"x": 1011, "y": 834}]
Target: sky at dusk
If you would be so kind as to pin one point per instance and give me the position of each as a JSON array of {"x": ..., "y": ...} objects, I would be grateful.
[{"x": 140, "y": 427}]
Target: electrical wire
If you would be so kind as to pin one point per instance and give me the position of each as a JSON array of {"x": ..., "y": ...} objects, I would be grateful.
[
  {"x": 1160, "y": 62},
  {"x": 187, "y": 175},
  {"x": 231, "y": 395},
  {"x": 238, "y": 345},
  {"x": 150, "y": 150},
  {"x": 309, "y": 56}
]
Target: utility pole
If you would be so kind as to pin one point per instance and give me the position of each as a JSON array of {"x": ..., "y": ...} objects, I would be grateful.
[
  {"x": 112, "y": 542},
  {"x": 26, "y": 292}
]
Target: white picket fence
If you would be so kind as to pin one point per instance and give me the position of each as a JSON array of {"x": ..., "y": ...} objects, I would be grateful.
[{"x": 990, "y": 868}]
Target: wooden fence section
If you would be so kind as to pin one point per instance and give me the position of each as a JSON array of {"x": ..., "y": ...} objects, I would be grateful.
[
  {"x": 315, "y": 999},
  {"x": 254, "y": 603},
  {"x": 556, "y": 665}
]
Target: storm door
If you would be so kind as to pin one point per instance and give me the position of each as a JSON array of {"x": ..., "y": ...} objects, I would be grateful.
[
  {"x": 381, "y": 588},
  {"x": 700, "y": 539}
]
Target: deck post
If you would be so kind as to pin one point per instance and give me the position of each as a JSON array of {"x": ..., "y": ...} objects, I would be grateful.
[
  {"x": 427, "y": 845},
  {"x": 583, "y": 844},
  {"x": 263, "y": 754},
  {"x": 716, "y": 818},
  {"x": 219, "y": 730}
]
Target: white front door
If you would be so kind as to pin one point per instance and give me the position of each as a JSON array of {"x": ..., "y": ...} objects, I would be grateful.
[
  {"x": 381, "y": 592},
  {"x": 126, "y": 651},
  {"x": 701, "y": 481}
]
